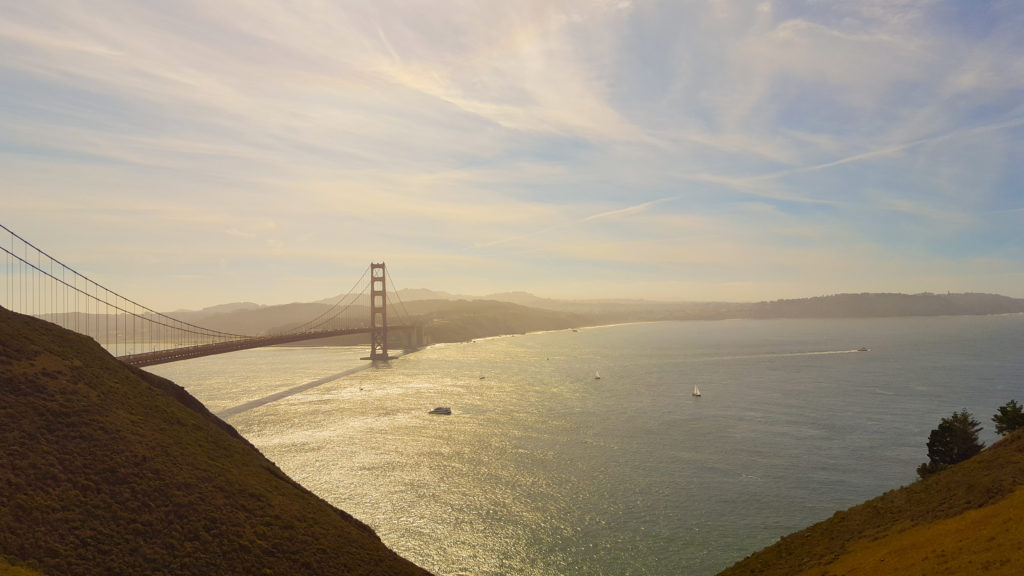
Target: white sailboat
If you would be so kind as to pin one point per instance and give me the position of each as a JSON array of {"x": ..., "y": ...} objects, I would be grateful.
[
  {"x": 597, "y": 375},
  {"x": 696, "y": 391}
]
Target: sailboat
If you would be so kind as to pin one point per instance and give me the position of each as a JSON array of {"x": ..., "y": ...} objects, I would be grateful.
[
  {"x": 597, "y": 375},
  {"x": 696, "y": 391}
]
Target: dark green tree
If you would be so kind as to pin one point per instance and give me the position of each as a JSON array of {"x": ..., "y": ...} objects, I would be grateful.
[
  {"x": 955, "y": 440},
  {"x": 1009, "y": 418}
]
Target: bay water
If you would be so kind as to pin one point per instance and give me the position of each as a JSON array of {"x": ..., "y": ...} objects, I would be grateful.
[{"x": 543, "y": 469}]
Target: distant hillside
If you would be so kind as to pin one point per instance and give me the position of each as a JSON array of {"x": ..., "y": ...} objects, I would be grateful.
[
  {"x": 444, "y": 320},
  {"x": 404, "y": 295},
  {"x": 544, "y": 314},
  {"x": 963, "y": 521},
  {"x": 832, "y": 306},
  {"x": 110, "y": 470},
  {"x": 276, "y": 319},
  {"x": 461, "y": 320},
  {"x": 867, "y": 305},
  {"x": 876, "y": 305},
  {"x": 214, "y": 310}
]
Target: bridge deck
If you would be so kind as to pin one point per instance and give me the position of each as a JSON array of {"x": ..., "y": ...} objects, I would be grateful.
[{"x": 175, "y": 354}]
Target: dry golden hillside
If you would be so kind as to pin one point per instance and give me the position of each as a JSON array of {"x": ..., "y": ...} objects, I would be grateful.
[{"x": 962, "y": 521}]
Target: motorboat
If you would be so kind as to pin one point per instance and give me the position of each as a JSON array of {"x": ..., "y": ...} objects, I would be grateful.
[{"x": 441, "y": 410}]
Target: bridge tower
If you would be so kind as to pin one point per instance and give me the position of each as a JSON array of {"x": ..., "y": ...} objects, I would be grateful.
[{"x": 378, "y": 312}]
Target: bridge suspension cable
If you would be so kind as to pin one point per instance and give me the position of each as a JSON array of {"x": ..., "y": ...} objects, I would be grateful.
[
  {"x": 33, "y": 282},
  {"x": 38, "y": 284},
  {"x": 405, "y": 317},
  {"x": 330, "y": 317}
]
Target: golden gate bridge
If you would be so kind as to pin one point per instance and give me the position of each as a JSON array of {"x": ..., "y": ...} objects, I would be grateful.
[{"x": 37, "y": 284}]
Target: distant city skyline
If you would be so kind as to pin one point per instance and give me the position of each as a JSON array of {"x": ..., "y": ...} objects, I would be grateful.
[{"x": 191, "y": 154}]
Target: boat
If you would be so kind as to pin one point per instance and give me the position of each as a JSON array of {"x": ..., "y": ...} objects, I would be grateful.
[
  {"x": 441, "y": 410},
  {"x": 597, "y": 375},
  {"x": 863, "y": 349},
  {"x": 696, "y": 391}
]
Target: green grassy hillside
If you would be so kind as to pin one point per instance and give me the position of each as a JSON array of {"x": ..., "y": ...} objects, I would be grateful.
[
  {"x": 107, "y": 470},
  {"x": 962, "y": 521}
]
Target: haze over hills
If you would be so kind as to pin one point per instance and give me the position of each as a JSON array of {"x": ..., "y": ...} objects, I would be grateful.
[{"x": 524, "y": 312}]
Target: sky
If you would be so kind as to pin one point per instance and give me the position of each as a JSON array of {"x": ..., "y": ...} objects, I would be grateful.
[{"x": 192, "y": 153}]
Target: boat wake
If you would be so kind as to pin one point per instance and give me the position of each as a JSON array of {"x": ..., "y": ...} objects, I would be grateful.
[
  {"x": 777, "y": 355},
  {"x": 809, "y": 353}
]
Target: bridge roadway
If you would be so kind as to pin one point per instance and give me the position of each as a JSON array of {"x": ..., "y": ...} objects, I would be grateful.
[{"x": 198, "y": 351}]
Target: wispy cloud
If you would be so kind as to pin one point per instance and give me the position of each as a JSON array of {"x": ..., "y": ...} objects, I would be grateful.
[
  {"x": 629, "y": 210},
  {"x": 896, "y": 149},
  {"x": 706, "y": 148}
]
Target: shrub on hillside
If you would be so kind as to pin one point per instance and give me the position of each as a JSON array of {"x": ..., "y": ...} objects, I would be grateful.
[
  {"x": 1009, "y": 418},
  {"x": 955, "y": 440}
]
